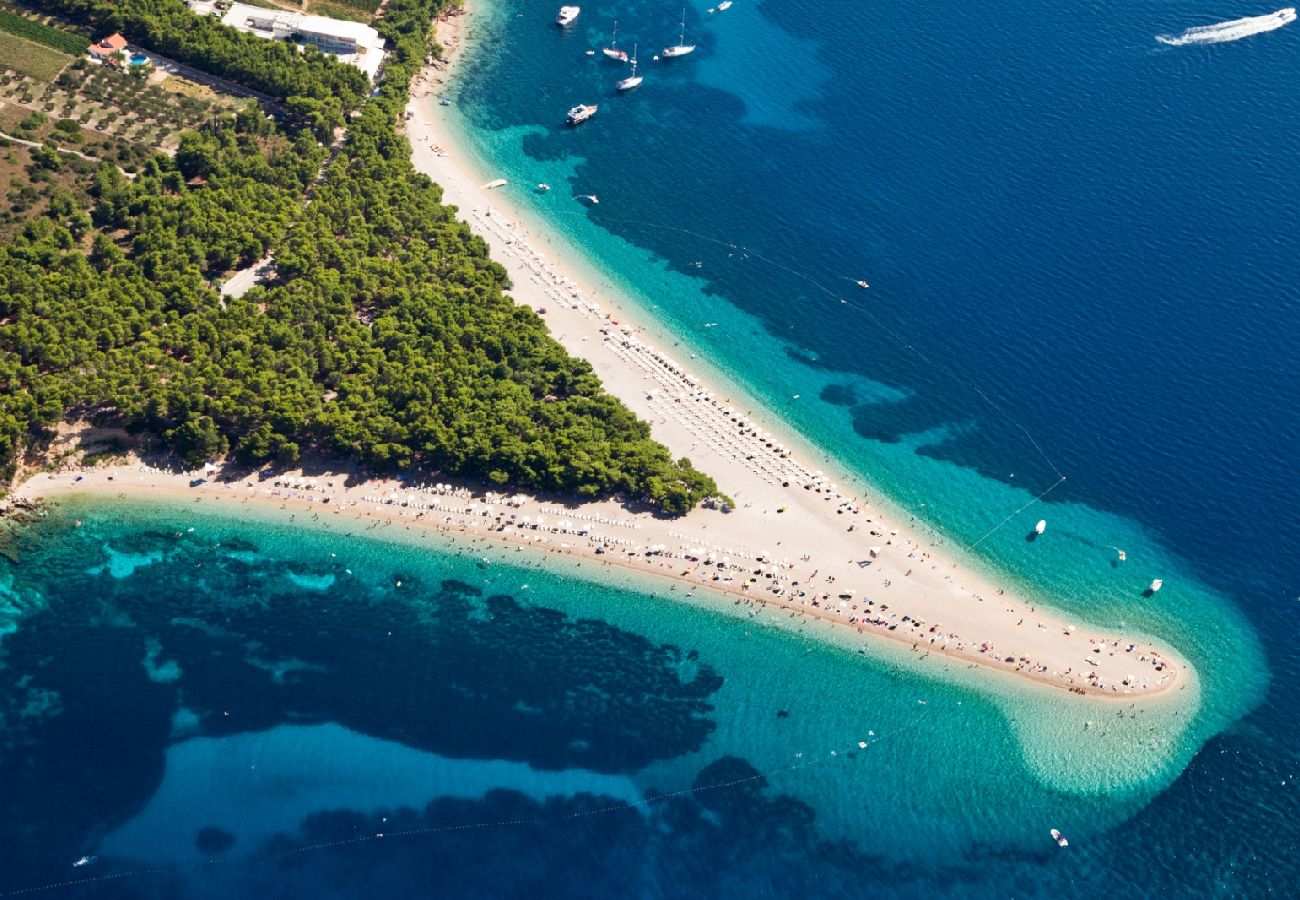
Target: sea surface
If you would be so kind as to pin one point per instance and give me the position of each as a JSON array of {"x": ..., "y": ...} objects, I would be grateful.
[{"x": 1082, "y": 246}]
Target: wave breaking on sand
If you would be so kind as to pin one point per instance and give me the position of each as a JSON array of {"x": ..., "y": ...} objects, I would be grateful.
[{"x": 1233, "y": 30}]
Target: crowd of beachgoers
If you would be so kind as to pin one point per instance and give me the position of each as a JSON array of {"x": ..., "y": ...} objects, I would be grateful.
[{"x": 775, "y": 587}]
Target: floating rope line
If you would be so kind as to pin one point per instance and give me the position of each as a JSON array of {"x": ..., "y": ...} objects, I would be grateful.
[
  {"x": 998, "y": 527},
  {"x": 179, "y": 868},
  {"x": 859, "y": 307}
]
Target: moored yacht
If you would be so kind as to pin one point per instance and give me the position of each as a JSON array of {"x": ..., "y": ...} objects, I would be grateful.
[
  {"x": 612, "y": 50},
  {"x": 633, "y": 80},
  {"x": 682, "y": 47},
  {"x": 567, "y": 15},
  {"x": 581, "y": 113}
]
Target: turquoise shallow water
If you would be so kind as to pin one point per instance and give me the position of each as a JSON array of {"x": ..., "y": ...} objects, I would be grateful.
[
  {"x": 185, "y": 686},
  {"x": 706, "y": 227},
  {"x": 1082, "y": 253}
]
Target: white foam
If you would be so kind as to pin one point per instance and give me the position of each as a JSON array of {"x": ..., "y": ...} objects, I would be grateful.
[{"x": 1233, "y": 30}]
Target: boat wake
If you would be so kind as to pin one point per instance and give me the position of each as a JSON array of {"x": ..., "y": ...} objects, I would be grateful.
[{"x": 1234, "y": 30}]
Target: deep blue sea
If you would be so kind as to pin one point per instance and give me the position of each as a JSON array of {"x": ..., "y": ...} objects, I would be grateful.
[{"x": 1083, "y": 248}]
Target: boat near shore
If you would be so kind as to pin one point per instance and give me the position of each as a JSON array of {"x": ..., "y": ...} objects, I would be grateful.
[
  {"x": 633, "y": 80},
  {"x": 581, "y": 113},
  {"x": 612, "y": 51},
  {"x": 682, "y": 48}
]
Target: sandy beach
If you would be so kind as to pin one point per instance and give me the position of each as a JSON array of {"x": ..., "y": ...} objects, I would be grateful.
[{"x": 796, "y": 541}]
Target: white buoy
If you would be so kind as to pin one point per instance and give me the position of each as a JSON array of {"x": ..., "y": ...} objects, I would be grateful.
[{"x": 1041, "y": 526}]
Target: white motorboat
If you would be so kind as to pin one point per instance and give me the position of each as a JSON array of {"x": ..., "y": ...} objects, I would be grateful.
[
  {"x": 581, "y": 113},
  {"x": 1156, "y": 585},
  {"x": 612, "y": 50},
  {"x": 1059, "y": 838},
  {"x": 567, "y": 15},
  {"x": 682, "y": 47},
  {"x": 862, "y": 283},
  {"x": 1041, "y": 526},
  {"x": 84, "y": 861},
  {"x": 725, "y": 4},
  {"x": 633, "y": 80}
]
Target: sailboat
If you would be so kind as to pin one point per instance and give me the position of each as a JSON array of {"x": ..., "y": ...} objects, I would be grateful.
[
  {"x": 612, "y": 50},
  {"x": 633, "y": 80},
  {"x": 682, "y": 47}
]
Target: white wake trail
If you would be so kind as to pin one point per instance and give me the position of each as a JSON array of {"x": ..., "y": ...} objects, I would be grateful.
[{"x": 1234, "y": 30}]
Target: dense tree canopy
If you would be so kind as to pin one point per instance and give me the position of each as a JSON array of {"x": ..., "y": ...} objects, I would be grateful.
[
  {"x": 385, "y": 335},
  {"x": 308, "y": 78}
]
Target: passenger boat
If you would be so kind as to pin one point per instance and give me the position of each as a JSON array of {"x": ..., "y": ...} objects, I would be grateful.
[
  {"x": 581, "y": 113},
  {"x": 567, "y": 15},
  {"x": 682, "y": 47}
]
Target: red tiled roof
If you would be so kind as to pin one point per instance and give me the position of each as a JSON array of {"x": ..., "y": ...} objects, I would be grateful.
[{"x": 110, "y": 44}]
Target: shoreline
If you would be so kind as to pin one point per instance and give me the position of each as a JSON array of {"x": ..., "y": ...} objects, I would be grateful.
[
  {"x": 796, "y": 541},
  {"x": 605, "y": 533}
]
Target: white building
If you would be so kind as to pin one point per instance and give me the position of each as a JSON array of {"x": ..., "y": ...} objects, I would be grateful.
[{"x": 352, "y": 42}]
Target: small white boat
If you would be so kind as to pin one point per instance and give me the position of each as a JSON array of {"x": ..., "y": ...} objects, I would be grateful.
[
  {"x": 1059, "y": 838},
  {"x": 496, "y": 183},
  {"x": 633, "y": 80},
  {"x": 1041, "y": 526},
  {"x": 590, "y": 198},
  {"x": 567, "y": 15},
  {"x": 1156, "y": 585},
  {"x": 543, "y": 186},
  {"x": 581, "y": 113},
  {"x": 612, "y": 50},
  {"x": 725, "y": 4},
  {"x": 84, "y": 861},
  {"x": 863, "y": 284},
  {"x": 682, "y": 47}
]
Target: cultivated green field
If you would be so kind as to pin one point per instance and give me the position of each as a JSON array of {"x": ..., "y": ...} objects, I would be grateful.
[{"x": 27, "y": 58}]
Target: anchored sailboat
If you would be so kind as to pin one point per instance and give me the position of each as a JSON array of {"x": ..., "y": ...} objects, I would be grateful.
[
  {"x": 682, "y": 47},
  {"x": 612, "y": 50},
  {"x": 633, "y": 80}
]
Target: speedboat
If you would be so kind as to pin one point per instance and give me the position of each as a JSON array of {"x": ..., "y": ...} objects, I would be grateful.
[
  {"x": 581, "y": 113},
  {"x": 567, "y": 16},
  {"x": 682, "y": 47},
  {"x": 725, "y": 4},
  {"x": 84, "y": 861},
  {"x": 1059, "y": 838},
  {"x": 1156, "y": 585},
  {"x": 862, "y": 283},
  {"x": 1041, "y": 526}
]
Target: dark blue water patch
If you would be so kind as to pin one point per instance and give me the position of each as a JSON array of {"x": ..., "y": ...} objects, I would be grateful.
[
  {"x": 1095, "y": 231},
  {"x": 85, "y": 719}
]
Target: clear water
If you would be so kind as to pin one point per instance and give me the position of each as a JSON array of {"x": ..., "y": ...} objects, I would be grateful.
[
  {"x": 260, "y": 705},
  {"x": 1095, "y": 231}
]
